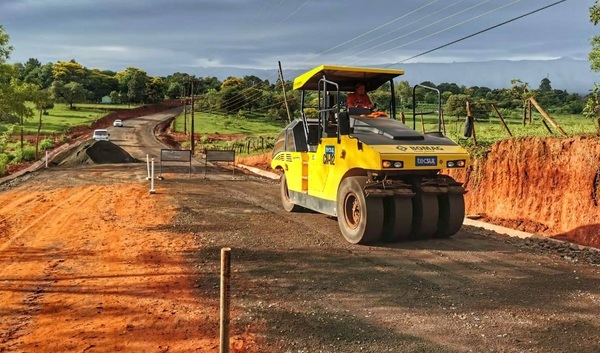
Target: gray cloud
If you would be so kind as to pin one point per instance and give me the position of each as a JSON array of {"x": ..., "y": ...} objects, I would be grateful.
[{"x": 165, "y": 36}]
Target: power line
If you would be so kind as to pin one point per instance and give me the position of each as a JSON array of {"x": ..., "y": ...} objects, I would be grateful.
[
  {"x": 375, "y": 29},
  {"x": 433, "y": 24},
  {"x": 293, "y": 12},
  {"x": 479, "y": 32},
  {"x": 406, "y": 25}
]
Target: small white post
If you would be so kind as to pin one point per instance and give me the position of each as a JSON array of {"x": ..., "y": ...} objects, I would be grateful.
[
  {"x": 152, "y": 191},
  {"x": 148, "y": 167},
  {"x": 46, "y": 159}
]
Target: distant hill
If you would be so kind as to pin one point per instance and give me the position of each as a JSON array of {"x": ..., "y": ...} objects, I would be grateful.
[
  {"x": 568, "y": 74},
  {"x": 574, "y": 76}
]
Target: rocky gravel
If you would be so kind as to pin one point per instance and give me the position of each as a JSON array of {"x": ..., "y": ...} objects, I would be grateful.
[{"x": 302, "y": 288}]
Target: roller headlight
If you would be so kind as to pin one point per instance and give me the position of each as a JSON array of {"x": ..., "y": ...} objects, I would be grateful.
[
  {"x": 392, "y": 164},
  {"x": 456, "y": 164}
]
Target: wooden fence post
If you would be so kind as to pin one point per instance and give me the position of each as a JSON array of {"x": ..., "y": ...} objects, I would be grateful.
[
  {"x": 224, "y": 314},
  {"x": 502, "y": 120},
  {"x": 547, "y": 117},
  {"x": 473, "y": 127}
]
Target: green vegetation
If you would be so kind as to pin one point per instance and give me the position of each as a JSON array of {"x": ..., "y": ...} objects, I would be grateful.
[
  {"x": 258, "y": 132},
  {"x": 207, "y": 123}
]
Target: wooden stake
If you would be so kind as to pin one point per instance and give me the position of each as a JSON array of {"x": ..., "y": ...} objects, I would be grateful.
[
  {"x": 443, "y": 122},
  {"x": 547, "y": 127},
  {"x": 224, "y": 316},
  {"x": 547, "y": 117},
  {"x": 502, "y": 120},
  {"x": 473, "y": 127}
]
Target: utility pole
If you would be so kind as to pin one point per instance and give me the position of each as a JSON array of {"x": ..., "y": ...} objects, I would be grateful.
[
  {"x": 185, "y": 116},
  {"x": 287, "y": 107},
  {"x": 192, "y": 120}
]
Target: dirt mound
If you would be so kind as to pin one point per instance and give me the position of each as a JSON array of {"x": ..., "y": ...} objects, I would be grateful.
[
  {"x": 94, "y": 152},
  {"x": 547, "y": 186}
]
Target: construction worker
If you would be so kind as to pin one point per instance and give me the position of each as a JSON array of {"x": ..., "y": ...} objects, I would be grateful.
[{"x": 359, "y": 98}]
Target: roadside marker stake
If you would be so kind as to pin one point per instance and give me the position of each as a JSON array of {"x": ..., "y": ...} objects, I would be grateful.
[
  {"x": 224, "y": 312},
  {"x": 46, "y": 159},
  {"x": 148, "y": 167},
  {"x": 152, "y": 191}
]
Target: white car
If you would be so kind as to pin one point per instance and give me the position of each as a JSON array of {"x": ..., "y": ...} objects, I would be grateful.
[
  {"x": 118, "y": 123},
  {"x": 100, "y": 135}
]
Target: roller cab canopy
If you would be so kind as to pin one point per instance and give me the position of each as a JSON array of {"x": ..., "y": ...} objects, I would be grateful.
[{"x": 346, "y": 76}]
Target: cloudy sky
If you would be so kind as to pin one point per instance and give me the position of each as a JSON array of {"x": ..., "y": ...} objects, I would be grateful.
[{"x": 195, "y": 36}]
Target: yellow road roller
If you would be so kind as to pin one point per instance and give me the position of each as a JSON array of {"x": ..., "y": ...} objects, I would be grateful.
[{"x": 380, "y": 177}]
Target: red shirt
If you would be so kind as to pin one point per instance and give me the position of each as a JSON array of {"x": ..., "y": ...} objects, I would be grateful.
[{"x": 359, "y": 100}]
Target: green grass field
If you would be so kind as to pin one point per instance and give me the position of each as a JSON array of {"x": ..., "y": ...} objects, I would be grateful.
[
  {"x": 487, "y": 131},
  {"x": 61, "y": 118},
  {"x": 491, "y": 130},
  {"x": 205, "y": 123}
]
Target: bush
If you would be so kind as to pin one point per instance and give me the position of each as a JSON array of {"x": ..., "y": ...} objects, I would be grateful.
[
  {"x": 24, "y": 155},
  {"x": 3, "y": 163},
  {"x": 46, "y": 144}
]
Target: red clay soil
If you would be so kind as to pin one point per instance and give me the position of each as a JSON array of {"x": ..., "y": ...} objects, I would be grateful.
[{"x": 546, "y": 186}]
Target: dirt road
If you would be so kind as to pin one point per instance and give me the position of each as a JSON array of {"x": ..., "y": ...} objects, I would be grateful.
[{"x": 92, "y": 262}]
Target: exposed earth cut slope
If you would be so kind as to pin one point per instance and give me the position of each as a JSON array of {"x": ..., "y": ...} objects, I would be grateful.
[{"x": 547, "y": 186}]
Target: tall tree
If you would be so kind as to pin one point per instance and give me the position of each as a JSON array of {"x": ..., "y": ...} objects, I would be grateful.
[
  {"x": 5, "y": 75},
  {"x": 594, "y": 55},
  {"x": 592, "y": 109},
  {"x": 68, "y": 71},
  {"x": 100, "y": 84},
  {"x": 5, "y": 49},
  {"x": 43, "y": 101},
  {"x": 69, "y": 93},
  {"x": 133, "y": 82}
]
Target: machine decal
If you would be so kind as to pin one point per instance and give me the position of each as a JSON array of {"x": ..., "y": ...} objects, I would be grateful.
[
  {"x": 329, "y": 156},
  {"x": 426, "y": 161},
  {"x": 426, "y": 148}
]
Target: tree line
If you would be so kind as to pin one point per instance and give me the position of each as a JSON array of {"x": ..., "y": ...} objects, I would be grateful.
[{"x": 70, "y": 82}]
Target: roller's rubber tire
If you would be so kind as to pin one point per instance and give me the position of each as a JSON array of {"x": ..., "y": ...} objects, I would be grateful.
[
  {"x": 452, "y": 214},
  {"x": 360, "y": 218},
  {"x": 398, "y": 214},
  {"x": 285, "y": 196},
  {"x": 425, "y": 216}
]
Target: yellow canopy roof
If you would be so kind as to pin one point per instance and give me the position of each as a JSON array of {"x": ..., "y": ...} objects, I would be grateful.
[{"x": 346, "y": 76}]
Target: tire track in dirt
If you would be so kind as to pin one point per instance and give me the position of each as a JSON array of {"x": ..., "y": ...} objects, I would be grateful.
[
  {"x": 54, "y": 221},
  {"x": 56, "y": 214}
]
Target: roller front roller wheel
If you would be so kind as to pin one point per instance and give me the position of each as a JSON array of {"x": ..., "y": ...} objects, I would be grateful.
[
  {"x": 452, "y": 214},
  {"x": 425, "y": 216},
  {"x": 398, "y": 214}
]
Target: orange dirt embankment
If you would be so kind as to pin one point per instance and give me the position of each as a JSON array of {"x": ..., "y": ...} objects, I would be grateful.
[{"x": 547, "y": 186}]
